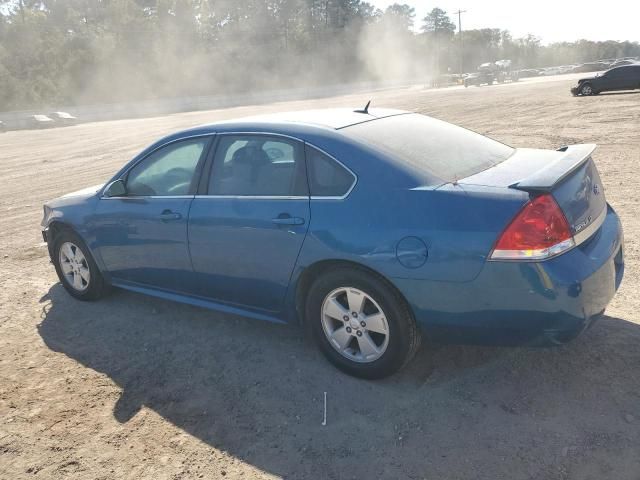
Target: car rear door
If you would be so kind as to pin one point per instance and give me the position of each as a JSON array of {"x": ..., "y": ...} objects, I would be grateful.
[
  {"x": 633, "y": 77},
  {"x": 142, "y": 236},
  {"x": 247, "y": 226}
]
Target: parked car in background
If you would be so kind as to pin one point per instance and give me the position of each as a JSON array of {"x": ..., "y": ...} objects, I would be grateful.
[
  {"x": 528, "y": 72},
  {"x": 591, "y": 67},
  {"x": 64, "y": 118},
  {"x": 41, "y": 121},
  {"x": 626, "y": 77},
  {"x": 365, "y": 226},
  {"x": 483, "y": 77},
  {"x": 551, "y": 71}
]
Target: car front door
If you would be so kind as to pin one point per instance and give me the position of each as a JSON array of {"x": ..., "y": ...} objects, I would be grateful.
[
  {"x": 141, "y": 235},
  {"x": 248, "y": 226},
  {"x": 615, "y": 79}
]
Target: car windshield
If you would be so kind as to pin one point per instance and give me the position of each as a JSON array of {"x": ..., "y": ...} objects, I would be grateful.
[{"x": 436, "y": 149}]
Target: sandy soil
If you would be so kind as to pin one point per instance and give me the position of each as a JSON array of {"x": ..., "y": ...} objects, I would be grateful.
[{"x": 133, "y": 387}]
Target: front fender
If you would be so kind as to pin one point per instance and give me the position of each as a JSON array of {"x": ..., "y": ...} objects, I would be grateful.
[{"x": 73, "y": 212}]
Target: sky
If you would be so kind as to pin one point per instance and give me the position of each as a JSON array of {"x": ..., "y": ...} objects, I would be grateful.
[{"x": 569, "y": 20}]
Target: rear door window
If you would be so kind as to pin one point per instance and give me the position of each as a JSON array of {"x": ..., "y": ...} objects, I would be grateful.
[{"x": 258, "y": 165}]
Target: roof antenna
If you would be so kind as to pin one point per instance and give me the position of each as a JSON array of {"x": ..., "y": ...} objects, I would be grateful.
[{"x": 365, "y": 109}]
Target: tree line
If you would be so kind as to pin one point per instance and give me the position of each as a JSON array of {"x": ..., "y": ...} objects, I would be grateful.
[{"x": 65, "y": 52}]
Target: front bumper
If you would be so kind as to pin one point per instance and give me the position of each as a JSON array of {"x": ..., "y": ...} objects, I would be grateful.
[
  {"x": 574, "y": 91},
  {"x": 510, "y": 303}
]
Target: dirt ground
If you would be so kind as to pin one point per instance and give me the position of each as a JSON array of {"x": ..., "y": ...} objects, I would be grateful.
[{"x": 134, "y": 387}]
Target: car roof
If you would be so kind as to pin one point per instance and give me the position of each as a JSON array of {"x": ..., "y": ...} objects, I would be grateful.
[
  {"x": 307, "y": 125},
  {"x": 330, "y": 118},
  {"x": 630, "y": 66}
]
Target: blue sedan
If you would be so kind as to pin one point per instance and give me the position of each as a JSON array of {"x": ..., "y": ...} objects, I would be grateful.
[{"x": 368, "y": 227}]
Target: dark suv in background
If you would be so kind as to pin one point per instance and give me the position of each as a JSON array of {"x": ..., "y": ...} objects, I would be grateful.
[{"x": 626, "y": 77}]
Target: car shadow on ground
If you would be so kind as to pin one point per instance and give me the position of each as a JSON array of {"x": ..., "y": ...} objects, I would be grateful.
[{"x": 255, "y": 389}]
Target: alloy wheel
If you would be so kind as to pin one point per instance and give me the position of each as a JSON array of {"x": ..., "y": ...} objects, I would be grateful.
[
  {"x": 74, "y": 266},
  {"x": 355, "y": 325}
]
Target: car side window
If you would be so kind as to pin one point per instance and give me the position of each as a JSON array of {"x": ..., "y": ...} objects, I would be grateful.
[
  {"x": 167, "y": 171},
  {"x": 327, "y": 178},
  {"x": 614, "y": 72},
  {"x": 258, "y": 165}
]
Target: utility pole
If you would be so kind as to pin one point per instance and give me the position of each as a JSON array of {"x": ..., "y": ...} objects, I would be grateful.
[{"x": 459, "y": 13}]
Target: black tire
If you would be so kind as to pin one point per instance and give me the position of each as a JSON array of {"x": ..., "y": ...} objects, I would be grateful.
[
  {"x": 586, "y": 89},
  {"x": 404, "y": 336},
  {"x": 97, "y": 287}
]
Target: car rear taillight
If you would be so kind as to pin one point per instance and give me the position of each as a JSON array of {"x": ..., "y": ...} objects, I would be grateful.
[{"x": 539, "y": 231}]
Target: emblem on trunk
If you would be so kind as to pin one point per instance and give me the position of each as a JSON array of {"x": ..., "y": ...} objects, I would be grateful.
[
  {"x": 581, "y": 225},
  {"x": 596, "y": 189}
]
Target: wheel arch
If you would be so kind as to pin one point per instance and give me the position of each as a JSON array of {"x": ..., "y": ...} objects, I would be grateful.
[
  {"x": 55, "y": 227},
  {"x": 58, "y": 226},
  {"x": 315, "y": 270}
]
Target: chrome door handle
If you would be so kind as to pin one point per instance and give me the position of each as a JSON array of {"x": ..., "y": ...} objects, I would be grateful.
[
  {"x": 288, "y": 220},
  {"x": 168, "y": 215}
]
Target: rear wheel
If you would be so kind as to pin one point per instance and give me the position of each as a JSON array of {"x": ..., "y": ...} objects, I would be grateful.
[
  {"x": 361, "y": 324},
  {"x": 586, "y": 89},
  {"x": 76, "y": 268}
]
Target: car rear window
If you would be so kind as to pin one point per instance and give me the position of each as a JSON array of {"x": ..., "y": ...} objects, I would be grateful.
[{"x": 432, "y": 147}]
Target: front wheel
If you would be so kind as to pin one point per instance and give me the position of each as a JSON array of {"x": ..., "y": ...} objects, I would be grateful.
[
  {"x": 586, "y": 90},
  {"x": 76, "y": 268},
  {"x": 361, "y": 324}
]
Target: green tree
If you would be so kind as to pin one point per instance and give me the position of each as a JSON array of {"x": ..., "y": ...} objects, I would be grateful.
[
  {"x": 400, "y": 15},
  {"x": 65, "y": 52},
  {"x": 438, "y": 22}
]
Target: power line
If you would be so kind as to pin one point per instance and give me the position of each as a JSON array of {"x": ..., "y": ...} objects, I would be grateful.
[{"x": 459, "y": 13}]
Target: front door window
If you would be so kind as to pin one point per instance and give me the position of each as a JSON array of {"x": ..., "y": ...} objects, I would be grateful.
[{"x": 168, "y": 171}]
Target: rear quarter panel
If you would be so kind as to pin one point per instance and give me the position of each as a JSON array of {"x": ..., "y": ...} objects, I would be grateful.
[{"x": 458, "y": 226}]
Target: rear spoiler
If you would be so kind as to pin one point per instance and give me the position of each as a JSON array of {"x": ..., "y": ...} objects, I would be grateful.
[{"x": 545, "y": 179}]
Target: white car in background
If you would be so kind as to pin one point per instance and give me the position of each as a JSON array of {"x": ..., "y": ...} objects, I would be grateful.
[
  {"x": 64, "y": 118},
  {"x": 41, "y": 121},
  {"x": 551, "y": 71}
]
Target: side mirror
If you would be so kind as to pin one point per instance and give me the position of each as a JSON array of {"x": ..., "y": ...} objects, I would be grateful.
[{"x": 116, "y": 188}]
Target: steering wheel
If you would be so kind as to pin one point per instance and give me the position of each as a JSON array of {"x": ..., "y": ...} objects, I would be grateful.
[
  {"x": 274, "y": 153},
  {"x": 179, "y": 178},
  {"x": 179, "y": 189},
  {"x": 180, "y": 173}
]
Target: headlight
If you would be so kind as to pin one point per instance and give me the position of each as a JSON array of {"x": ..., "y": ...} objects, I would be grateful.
[{"x": 45, "y": 218}]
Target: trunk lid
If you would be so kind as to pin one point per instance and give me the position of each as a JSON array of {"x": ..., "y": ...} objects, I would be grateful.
[{"x": 569, "y": 174}]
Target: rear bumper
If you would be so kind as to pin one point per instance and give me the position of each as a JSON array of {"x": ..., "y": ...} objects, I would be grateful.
[
  {"x": 525, "y": 302},
  {"x": 574, "y": 91}
]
